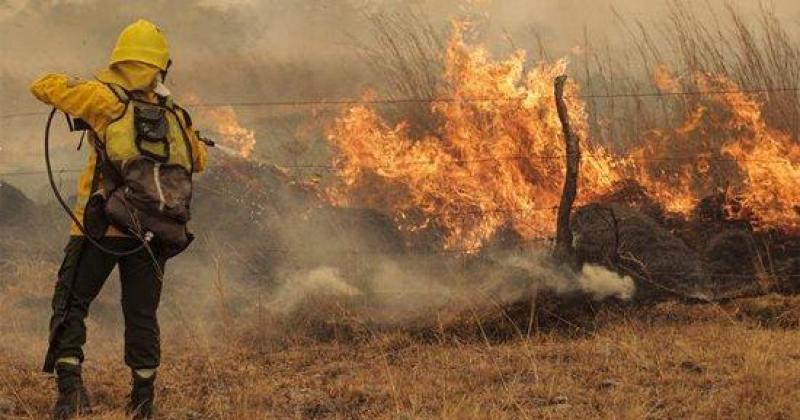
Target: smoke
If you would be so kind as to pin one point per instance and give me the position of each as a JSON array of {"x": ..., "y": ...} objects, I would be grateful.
[
  {"x": 601, "y": 283},
  {"x": 252, "y": 50},
  {"x": 401, "y": 290},
  {"x": 322, "y": 282},
  {"x": 389, "y": 294},
  {"x": 596, "y": 281}
]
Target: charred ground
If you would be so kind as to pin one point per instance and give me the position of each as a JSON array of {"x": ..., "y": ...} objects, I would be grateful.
[{"x": 397, "y": 267}]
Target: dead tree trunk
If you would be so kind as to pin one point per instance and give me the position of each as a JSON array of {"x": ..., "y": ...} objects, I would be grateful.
[{"x": 564, "y": 251}]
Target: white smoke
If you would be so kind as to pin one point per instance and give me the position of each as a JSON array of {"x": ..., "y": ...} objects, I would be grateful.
[
  {"x": 601, "y": 283},
  {"x": 319, "y": 282},
  {"x": 398, "y": 290},
  {"x": 596, "y": 281}
]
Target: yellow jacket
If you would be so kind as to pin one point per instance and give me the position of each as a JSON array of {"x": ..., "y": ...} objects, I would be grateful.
[{"x": 96, "y": 104}]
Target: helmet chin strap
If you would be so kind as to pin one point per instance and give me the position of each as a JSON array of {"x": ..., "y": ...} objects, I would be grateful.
[{"x": 165, "y": 72}]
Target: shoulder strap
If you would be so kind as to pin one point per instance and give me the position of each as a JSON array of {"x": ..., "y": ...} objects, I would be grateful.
[
  {"x": 122, "y": 95},
  {"x": 98, "y": 163},
  {"x": 111, "y": 176},
  {"x": 185, "y": 114},
  {"x": 119, "y": 92},
  {"x": 185, "y": 125}
]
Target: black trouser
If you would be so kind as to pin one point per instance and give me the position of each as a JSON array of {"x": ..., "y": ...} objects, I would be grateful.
[{"x": 82, "y": 275}]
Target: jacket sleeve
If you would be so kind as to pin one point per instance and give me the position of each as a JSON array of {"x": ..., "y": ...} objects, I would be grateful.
[
  {"x": 199, "y": 151},
  {"x": 89, "y": 100}
]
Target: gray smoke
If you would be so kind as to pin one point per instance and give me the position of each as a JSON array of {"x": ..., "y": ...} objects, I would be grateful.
[
  {"x": 252, "y": 50},
  {"x": 397, "y": 290}
]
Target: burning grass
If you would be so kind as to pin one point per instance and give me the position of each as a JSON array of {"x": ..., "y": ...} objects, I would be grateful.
[
  {"x": 699, "y": 195},
  {"x": 725, "y": 145},
  {"x": 495, "y": 159}
]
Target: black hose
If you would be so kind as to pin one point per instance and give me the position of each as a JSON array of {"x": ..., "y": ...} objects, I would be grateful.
[{"x": 64, "y": 203}]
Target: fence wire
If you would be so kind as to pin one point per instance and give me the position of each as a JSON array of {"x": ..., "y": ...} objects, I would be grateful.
[
  {"x": 395, "y": 101},
  {"x": 519, "y": 244},
  {"x": 331, "y": 167}
]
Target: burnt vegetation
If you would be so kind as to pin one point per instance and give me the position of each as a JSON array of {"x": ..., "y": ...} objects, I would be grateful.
[{"x": 265, "y": 229}]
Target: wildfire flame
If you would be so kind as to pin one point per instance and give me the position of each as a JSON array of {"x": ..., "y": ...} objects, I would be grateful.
[
  {"x": 494, "y": 163},
  {"x": 498, "y": 163},
  {"x": 495, "y": 160},
  {"x": 723, "y": 144},
  {"x": 225, "y": 124}
]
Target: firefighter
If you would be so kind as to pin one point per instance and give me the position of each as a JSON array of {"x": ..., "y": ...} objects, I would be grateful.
[{"x": 111, "y": 105}]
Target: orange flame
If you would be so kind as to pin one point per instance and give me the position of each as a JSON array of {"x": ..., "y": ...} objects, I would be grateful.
[
  {"x": 496, "y": 160},
  {"x": 724, "y": 144},
  {"x": 225, "y": 124}
]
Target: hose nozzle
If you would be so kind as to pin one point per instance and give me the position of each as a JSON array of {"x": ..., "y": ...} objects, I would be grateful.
[{"x": 208, "y": 142}]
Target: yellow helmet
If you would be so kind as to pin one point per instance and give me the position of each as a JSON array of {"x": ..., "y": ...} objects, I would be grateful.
[{"x": 142, "y": 41}]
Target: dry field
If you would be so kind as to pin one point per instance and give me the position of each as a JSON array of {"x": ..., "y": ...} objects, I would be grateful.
[
  {"x": 724, "y": 159},
  {"x": 671, "y": 360}
]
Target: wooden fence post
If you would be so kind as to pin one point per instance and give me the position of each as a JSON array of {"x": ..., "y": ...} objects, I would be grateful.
[{"x": 564, "y": 251}]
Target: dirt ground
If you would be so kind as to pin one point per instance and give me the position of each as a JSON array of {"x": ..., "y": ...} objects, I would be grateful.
[{"x": 672, "y": 360}]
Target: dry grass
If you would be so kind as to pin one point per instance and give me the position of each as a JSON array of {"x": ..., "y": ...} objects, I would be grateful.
[
  {"x": 740, "y": 360},
  {"x": 406, "y": 55},
  {"x": 754, "y": 51},
  {"x": 671, "y": 360}
]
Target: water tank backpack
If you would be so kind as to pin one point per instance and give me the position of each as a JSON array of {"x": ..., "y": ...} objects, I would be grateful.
[{"x": 146, "y": 162}]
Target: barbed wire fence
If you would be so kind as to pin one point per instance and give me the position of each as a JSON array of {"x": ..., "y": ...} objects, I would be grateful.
[
  {"x": 385, "y": 101},
  {"x": 459, "y": 251}
]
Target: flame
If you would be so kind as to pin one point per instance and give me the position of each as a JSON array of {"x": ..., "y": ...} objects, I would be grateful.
[
  {"x": 495, "y": 161},
  {"x": 724, "y": 144},
  {"x": 225, "y": 124},
  {"x": 497, "y": 164}
]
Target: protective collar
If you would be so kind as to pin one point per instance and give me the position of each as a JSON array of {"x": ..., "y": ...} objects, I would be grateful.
[
  {"x": 130, "y": 75},
  {"x": 161, "y": 89}
]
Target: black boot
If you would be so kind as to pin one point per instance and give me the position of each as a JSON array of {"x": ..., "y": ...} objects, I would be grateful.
[
  {"x": 140, "y": 405},
  {"x": 73, "y": 400}
]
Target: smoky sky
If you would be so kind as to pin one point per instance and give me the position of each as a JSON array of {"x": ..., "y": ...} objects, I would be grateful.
[
  {"x": 77, "y": 35},
  {"x": 245, "y": 50}
]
